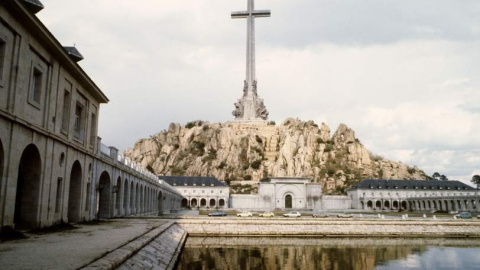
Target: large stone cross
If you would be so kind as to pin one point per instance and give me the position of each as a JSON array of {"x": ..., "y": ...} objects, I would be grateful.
[{"x": 250, "y": 15}]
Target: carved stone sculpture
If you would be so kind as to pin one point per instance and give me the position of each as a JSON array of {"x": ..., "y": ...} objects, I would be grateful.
[
  {"x": 261, "y": 111},
  {"x": 238, "y": 112}
]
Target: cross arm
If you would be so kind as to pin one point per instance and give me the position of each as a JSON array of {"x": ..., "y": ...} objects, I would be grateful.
[
  {"x": 256, "y": 14},
  {"x": 240, "y": 14},
  {"x": 261, "y": 13}
]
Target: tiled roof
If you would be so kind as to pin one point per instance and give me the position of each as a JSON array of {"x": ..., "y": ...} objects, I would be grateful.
[
  {"x": 192, "y": 181},
  {"x": 412, "y": 184},
  {"x": 34, "y": 5}
]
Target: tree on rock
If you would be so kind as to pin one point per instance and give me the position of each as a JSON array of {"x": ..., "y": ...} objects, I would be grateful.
[{"x": 476, "y": 180}]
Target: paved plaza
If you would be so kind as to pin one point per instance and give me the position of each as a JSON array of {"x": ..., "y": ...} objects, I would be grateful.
[{"x": 72, "y": 248}]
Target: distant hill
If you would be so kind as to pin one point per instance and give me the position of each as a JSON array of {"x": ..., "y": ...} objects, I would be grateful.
[{"x": 245, "y": 153}]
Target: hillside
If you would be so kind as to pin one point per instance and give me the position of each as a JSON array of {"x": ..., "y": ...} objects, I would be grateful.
[{"x": 245, "y": 153}]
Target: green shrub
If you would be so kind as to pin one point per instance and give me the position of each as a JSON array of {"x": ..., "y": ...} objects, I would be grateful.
[
  {"x": 178, "y": 171},
  {"x": 256, "y": 164},
  {"x": 222, "y": 165},
  {"x": 189, "y": 125},
  {"x": 258, "y": 139},
  {"x": 328, "y": 148},
  {"x": 320, "y": 140}
]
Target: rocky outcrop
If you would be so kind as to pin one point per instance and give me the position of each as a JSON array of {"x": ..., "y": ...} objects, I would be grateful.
[{"x": 239, "y": 151}]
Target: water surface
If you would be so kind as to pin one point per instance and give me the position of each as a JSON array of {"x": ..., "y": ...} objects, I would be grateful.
[{"x": 329, "y": 253}]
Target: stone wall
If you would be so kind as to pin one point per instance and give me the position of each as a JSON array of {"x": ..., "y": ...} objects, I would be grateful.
[
  {"x": 330, "y": 228},
  {"x": 335, "y": 202},
  {"x": 156, "y": 249}
]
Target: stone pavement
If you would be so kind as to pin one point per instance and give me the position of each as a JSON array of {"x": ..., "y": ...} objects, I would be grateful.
[{"x": 72, "y": 248}]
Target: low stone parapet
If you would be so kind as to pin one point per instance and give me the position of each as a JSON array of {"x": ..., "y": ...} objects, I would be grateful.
[
  {"x": 156, "y": 249},
  {"x": 322, "y": 228}
]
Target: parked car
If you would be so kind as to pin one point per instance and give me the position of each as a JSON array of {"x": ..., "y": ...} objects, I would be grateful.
[
  {"x": 217, "y": 214},
  {"x": 453, "y": 212},
  {"x": 345, "y": 215},
  {"x": 464, "y": 215},
  {"x": 320, "y": 215},
  {"x": 266, "y": 214},
  {"x": 292, "y": 214},
  {"x": 244, "y": 214}
]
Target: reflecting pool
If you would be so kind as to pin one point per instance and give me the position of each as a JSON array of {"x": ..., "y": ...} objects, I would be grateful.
[{"x": 329, "y": 253}]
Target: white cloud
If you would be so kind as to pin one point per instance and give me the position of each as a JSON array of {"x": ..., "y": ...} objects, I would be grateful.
[{"x": 403, "y": 75}]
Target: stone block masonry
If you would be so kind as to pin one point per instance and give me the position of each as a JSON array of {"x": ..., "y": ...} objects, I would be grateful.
[
  {"x": 330, "y": 228},
  {"x": 156, "y": 249}
]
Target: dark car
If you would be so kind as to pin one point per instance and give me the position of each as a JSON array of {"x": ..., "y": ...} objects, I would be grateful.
[
  {"x": 217, "y": 214},
  {"x": 464, "y": 215}
]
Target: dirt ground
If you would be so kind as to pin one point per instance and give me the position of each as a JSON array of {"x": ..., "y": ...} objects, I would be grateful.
[{"x": 71, "y": 248}]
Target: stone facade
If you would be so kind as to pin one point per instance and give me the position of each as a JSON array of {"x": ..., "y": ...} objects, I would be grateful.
[
  {"x": 53, "y": 167},
  {"x": 281, "y": 193},
  {"x": 200, "y": 192},
  {"x": 414, "y": 195}
]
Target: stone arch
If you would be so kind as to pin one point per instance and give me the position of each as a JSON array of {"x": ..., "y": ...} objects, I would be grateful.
[
  {"x": 2, "y": 161},
  {"x": 434, "y": 205},
  {"x": 395, "y": 205},
  {"x": 212, "y": 203},
  {"x": 132, "y": 198},
  {"x": 75, "y": 193},
  {"x": 138, "y": 208},
  {"x": 160, "y": 203},
  {"x": 369, "y": 205},
  {"x": 221, "y": 203},
  {"x": 386, "y": 205},
  {"x": 125, "y": 196},
  {"x": 424, "y": 206},
  {"x": 105, "y": 187},
  {"x": 118, "y": 197},
  {"x": 288, "y": 201},
  {"x": 404, "y": 205},
  {"x": 27, "y": 200},
  {"x": 144, "y": 197},
  {"x": 429, "y": 205},
  {"x": 184, "y": 203},
  {"x": 378, "y": 205},
  {"x": 203, "y": 202},
  {"x": 194, "y": 202}
]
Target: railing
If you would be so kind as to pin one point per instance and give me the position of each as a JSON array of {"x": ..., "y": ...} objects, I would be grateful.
[
  {"x": 136, "y": 167},
  {"x": 104, "y": 149}
]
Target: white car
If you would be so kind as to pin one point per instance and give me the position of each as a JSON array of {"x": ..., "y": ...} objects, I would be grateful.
[
  {"x": 266, "y": 214},
  {"x": 245, "y": 214},
  {"x": 292, "y": 214}
]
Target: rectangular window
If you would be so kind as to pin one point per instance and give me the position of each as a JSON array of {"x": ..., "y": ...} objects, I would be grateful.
[
  {"x": 58, "y": 200},
  {"x": 93, "y": 129},
  {"x": 3, "y": 49},
  {"x": 36, "y": 84},
  {"x": 67, "y": 99},
  {"x": 87, "y": 202},
  {"x": 78, "y": 127}
]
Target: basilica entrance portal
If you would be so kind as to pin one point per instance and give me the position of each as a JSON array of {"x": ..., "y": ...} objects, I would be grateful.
[{"x": 288, "y": 201}]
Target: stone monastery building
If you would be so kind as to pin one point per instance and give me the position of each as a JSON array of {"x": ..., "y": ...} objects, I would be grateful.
[
  {"x": 53, "y": 167},
  {"x": 414, "y": 195},
  {"x": 200, "y": 191}
]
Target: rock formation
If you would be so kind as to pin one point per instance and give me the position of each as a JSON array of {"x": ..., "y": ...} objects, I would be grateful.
[{"x": 241, "y": 153}]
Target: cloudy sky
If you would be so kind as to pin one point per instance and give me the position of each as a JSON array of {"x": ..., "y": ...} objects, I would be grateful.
[{"x": 404, "y": 74}]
